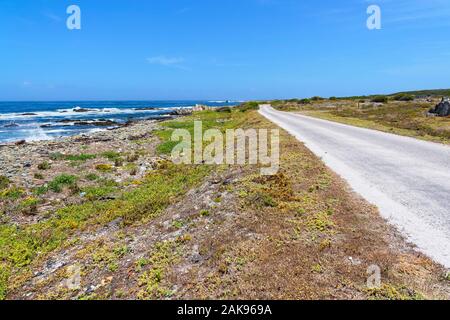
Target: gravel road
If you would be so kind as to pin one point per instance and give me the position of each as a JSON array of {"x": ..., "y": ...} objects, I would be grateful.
[{"x": 407, "y": 179}]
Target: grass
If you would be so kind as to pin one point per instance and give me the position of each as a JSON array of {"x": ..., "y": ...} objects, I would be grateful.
[
  {"x": 92, "y": 177},
  {"x": 38, "y": 176},
  {"x": 44, "y": 166},
  {"x": 390, "y": 292},
  {"x": 96, "y": 193},
  {"x": 104, "y": 167},
  {"x": 303, "y": 196},
  {"x": 21, "y": 245},
  {"x": 56, "y": 156},
  {"x": 204, "y": 213},
  {"x": 29, "y": 205},
  {"x": 111, "y": 155},
  {"x": 402, "y": 117},
  {"x": 152, "y": 281},
  {"x": 80, "y": 157},
  {"x": 59, "y": 182},
  {"x": 209, "y": 119},
  {"x": 4, "y": 182},
  {"x": 109, "y": 257},
  {"x": 12, "y": 193}
]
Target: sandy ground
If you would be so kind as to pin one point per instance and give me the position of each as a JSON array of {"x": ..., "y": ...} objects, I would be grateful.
[{"x": 408, "y": 179}]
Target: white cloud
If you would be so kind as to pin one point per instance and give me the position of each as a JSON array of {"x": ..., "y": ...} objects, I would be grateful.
[
  {"x": 52, "y": 16},
  {"x": 165, "y": 61}
]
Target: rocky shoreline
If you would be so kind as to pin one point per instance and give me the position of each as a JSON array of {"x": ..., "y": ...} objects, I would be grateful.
[{"x": 94, "y": 165}]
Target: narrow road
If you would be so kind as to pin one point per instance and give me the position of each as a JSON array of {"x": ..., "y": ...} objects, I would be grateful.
[{"x": 407, "y": 179}]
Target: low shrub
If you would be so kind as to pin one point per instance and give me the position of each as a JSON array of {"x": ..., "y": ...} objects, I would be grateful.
[
  {"x": 80, "y": 157},
  {"x": 38, "y": 176},
  {"x": 251, "y": 105},
  {"x": 111, "y": 155},
  {"x": 380, "y": 99},
  {"x": 57, "y": 184},
  {"x": 305, "y": 101},
  {"x": 12, "y": 193},
  {"x": 44, "y": 166},
  {"x": 92, "y": 177},
  {"x": 56, "y": 156},
  {"x": 104, "y": 167},
  {"x": 403, "y": 97},
  {"x": 4, "y": 182}
]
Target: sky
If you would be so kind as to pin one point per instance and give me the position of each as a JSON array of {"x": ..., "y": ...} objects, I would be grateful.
[{"x": 220, "y": 49}]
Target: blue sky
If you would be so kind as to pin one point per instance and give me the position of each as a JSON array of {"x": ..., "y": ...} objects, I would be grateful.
[{"x": 220, "y": 49}]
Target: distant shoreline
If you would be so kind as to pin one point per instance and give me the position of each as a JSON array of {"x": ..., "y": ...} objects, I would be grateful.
[{"x": 47, "y": 121}]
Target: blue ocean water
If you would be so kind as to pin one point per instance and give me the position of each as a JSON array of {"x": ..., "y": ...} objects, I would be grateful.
[{"x": 34, "y": 121}]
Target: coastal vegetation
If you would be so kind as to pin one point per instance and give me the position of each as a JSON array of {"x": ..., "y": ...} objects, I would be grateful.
[
  {"x": 196, "y": 231},
  {"x": 402, "y": 114}
]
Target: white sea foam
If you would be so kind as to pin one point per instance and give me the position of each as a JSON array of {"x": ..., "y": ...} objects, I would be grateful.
[
  {"x": 36, "y": 134},
  {"x": 65, "y": 113}
]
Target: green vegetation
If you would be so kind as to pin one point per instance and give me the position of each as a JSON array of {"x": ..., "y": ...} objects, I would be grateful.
[
  {"x": 29, "y": 205},
  {"x": 403, "y": 97},
  {"x": 407, "y": 119},
  {"x": 44, "y": 166},
  {"x": 20, "y": 245},
  {"x": 164, "y": 255},
  {"x": 390, "y": 292},
  {"x": 41, "y": 190},
  {"x": 380, "y": 99},
  {"x": 4, "y": 275},
  {"x": 4, "y": 182},
  {"x": 57, "y": 184},
  {"x": 210, "y": 120},
  {"x": 109, "y": 257},
  {"x": 104, "y": 167},
  {"x": 118, "y": 162},
  {"x": 38, "y": 176},
  {"x": 56, "y": 156},
  {"x": 252, "y": 105},
  {"x": 204, "y": 213},
  {"x": 435, "y": 93},
  {"x": 96, "y": 193},
  {"x": 111, "y": 155},
  {"x": 132, "y": 157},
  {"x": 178, "y": 224},
  {"x": 92, "y": 177},
  {"x": 13, "y": 193},
  {"x": 80, "y": 157}
]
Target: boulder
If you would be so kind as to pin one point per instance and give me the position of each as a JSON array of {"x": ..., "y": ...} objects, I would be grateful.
[{"x": 442, "y": 109}]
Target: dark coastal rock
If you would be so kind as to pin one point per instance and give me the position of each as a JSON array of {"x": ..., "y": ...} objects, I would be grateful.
[
  {"x": 95, "y": 123},
  {"x": 20, "y": 142},
  {"x": 146, "y": 109},
  {"x": 442, "y": 109},
  {"x": 11, "y": 125},
  {"x": 28, "y": 114},
  {"x": 181, "y": 112},
  {"x": 78, "y": 109}
]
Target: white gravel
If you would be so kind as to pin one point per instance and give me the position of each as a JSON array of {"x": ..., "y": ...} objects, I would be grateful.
[{"x": 408, "y": 179}]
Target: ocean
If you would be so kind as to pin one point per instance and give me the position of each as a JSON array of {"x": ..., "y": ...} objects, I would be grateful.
[{"x": 33, "y": 121}]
